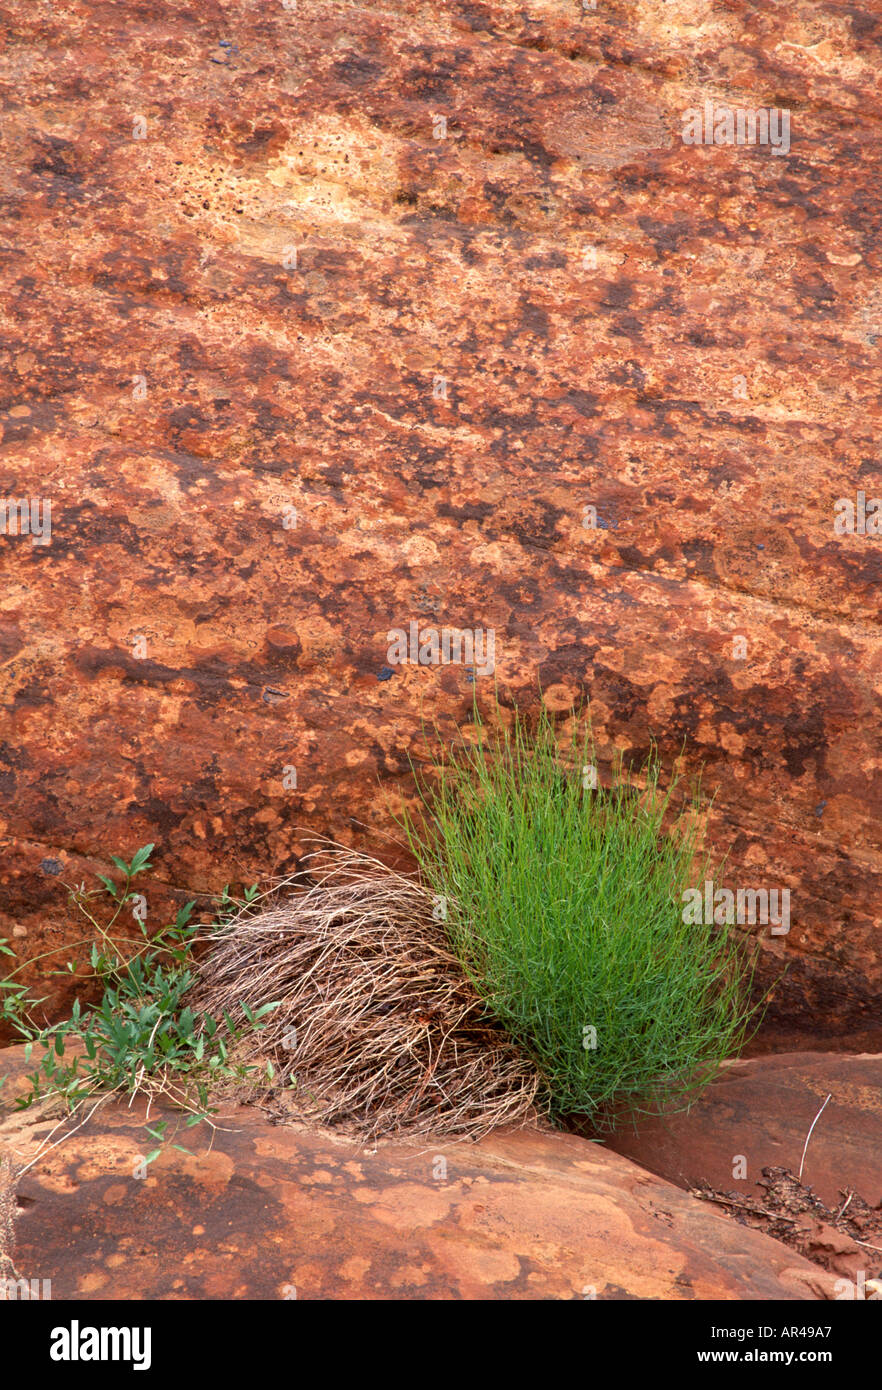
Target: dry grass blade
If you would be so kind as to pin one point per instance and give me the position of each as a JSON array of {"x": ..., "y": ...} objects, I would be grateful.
[{"x": 377, "y": 1026}]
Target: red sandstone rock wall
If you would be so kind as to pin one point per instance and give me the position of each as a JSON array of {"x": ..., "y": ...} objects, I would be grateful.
[{"x": 250, "y": 273}]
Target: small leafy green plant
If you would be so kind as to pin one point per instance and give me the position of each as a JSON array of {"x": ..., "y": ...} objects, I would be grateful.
[
  {"x": 142, "y": 1037},
  {"x": 563, "y": 902}
]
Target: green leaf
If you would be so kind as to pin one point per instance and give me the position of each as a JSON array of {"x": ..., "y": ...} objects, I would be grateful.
[{"x": 141, "y": 859}]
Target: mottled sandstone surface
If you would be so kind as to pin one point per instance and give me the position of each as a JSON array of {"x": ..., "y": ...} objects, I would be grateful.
[
  {"x": 271, "y": 1212},
  {"x": 323, "y": 318}
]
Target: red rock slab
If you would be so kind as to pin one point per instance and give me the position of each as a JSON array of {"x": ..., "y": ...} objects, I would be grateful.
[
  {"x": 761, "y": 1110},
  {"x": 242, "y": 248},
  {"x": 273, "y": 1212}
]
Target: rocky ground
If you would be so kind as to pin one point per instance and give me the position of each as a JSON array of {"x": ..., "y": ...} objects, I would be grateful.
[
  {"x": 743, "y": 1147},
  {"x": 271, "y": 1211}
]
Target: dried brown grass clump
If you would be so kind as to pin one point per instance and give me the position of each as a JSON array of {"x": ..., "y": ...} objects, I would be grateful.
[{"x": 377, "y": 1026}]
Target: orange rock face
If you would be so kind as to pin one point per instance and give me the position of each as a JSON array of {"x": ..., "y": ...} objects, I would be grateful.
[
  {"x": 319, "y": 320},
  {"x": 273, "y": 1212}
]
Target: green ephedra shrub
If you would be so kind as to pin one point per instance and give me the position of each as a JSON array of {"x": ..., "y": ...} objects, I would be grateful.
[{"x": 563, "y": 902}]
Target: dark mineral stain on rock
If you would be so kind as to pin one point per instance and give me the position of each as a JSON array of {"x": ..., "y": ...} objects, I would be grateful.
[{"x": 680, "y": 337}]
